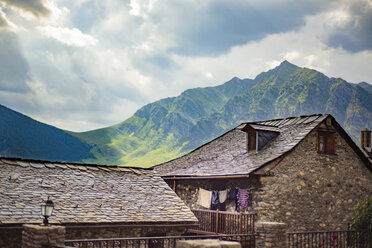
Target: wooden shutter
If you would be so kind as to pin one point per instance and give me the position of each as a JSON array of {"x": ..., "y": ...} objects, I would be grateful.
[
  {"x": 330, "y": 147},
  {"x": 326, "y": 142},
  {"x": 252, "y": 141}
]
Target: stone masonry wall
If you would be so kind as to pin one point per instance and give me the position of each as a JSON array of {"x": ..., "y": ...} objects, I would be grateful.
[
  {"x": 121, "y": 232},
  {"x": 211, "y": 243},
  {"x": 11, "y": 237},
  {"x": 309, "y": 191},
  {"x": 313, "y": 191},
  {"x": 271, "y": 234},
  {"x": 37, "y": 236}
]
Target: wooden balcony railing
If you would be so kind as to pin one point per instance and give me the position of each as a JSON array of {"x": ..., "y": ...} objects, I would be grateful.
[{"x": 221, "y": 222}]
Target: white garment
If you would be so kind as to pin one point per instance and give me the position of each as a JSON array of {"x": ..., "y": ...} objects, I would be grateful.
[
  {"x": 204, "y": 198},
  {"x": 222, "y": 195}
]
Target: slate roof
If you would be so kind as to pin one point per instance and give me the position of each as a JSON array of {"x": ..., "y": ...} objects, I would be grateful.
[
  {"x": 368, "y": 152},
  {"x": 227, "y": 155},
  {"x": 86, "y": 194}
]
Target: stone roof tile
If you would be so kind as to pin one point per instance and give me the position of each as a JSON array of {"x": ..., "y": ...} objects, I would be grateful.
[
  {"x": 99, "y": 194},
  {"x": 227, "y": 155}
]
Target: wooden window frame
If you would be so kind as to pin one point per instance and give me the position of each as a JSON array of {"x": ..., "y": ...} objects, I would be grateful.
[
  {"x": 326, "y": 141},
  {"x": 252, "y": 135}
]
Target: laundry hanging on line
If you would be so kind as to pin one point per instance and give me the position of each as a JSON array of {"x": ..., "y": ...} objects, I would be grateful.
[
  {"x": 243, "y": 199},
  {"x": 204, "y": 198},
  {"x": 222, "y": 195},
  {"x": 215, "y": 203},
  {"x": 232, "y": 194}
]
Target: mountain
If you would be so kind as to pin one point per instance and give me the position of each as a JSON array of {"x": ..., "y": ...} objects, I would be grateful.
[
  {"x": 21, "y": 136},
  {"x": 152, "y": 135},
  {"x": 366, "y": 86},
  {"x": 170, "y": 127},
  {"x": 289, "y": 90}
]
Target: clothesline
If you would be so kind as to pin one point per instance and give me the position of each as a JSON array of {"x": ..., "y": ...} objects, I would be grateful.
[{"x": 214, "y": 199}]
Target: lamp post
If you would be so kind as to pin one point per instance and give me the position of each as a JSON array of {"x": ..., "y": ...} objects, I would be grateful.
[{"x": 46, "y": 211}]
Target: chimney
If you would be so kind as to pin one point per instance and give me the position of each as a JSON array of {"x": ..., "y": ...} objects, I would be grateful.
[{"x": 365, "y": 140}]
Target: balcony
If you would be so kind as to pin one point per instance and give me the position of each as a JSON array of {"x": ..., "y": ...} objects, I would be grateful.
[{"x": 222, "y": 222}]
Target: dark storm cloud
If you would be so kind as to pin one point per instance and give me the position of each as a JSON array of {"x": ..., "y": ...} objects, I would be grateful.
[
  {"x": 36, "y": 7},
  {"x": 214, "y": 29},
  {"x": 13, "y": 66},
  {"x": 356, "y": 34}
]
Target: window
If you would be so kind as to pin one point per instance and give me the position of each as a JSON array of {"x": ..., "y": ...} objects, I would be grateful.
[
  {"x": 366, "y": 138},
  {"x": 252, "y": 141},
  {"x": 326, "y": 142}
]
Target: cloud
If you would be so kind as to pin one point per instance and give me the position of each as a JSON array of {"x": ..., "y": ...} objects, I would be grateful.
[
  {"x": 214, "y": 27},
  {"x": 94, "y": 63},
  {"x": 71, "y": 37},
  {"x": 3, "y": 20},
  {"x": 14, "y": 69},
  {"x": 5, "y": 23},
  {"x": 351, "y": 27},
  {"x": 36, "y": 7}
]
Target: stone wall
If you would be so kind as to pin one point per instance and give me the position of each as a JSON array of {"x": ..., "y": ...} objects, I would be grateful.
[
  {"x": 313, "y": 191},
  {"x": 11, "y": 237},
  {"x": 211, "y": 243},
  {"x": 271, "y": 234},
  {"x": 307, "y": 190},
  {"x": 36, "y": 236},
  {"x": 93, "y": 232}
]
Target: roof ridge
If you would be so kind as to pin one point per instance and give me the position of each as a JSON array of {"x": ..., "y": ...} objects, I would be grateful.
[
  {"x": 281, "y": 119},
  {"x": 30, "y": 160},
  {"x": 70, "y": 166}
]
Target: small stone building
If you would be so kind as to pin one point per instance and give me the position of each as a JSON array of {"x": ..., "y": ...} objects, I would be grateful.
[
  {"x": 305, "y": 171},
  {"x": 90, "y": 201}
]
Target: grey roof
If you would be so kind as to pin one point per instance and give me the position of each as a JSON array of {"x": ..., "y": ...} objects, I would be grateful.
[
  {"x": 368, "y": 150},
  {"x": 86, "y": 194},
  {"x": 265, "y": 128},
  {"x": 227, "y": 155}
]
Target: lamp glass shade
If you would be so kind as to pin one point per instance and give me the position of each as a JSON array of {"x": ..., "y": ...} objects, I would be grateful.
[{"x": 47, "y": 208}]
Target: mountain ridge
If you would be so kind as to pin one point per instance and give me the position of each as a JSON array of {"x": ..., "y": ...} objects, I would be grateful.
[
  {"x": 36, "y": 140},
  {"x": 172, "y": 126}
]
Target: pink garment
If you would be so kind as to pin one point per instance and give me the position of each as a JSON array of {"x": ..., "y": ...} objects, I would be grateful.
[{"x": 243, "y": 198}]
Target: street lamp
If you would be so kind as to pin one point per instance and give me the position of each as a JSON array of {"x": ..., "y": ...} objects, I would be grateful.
[{"x": 46, "y": 211}]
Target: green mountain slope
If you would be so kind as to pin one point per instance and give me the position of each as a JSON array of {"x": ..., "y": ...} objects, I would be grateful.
[
  {"x": 21, "y": 136},
  {"x": 289, "y": 90},
  {"x": 152, "y": 135},
  {"x": 170, "y": 127}
]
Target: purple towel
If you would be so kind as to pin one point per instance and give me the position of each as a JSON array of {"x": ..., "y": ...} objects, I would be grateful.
[{"x": 243, "y": 198}]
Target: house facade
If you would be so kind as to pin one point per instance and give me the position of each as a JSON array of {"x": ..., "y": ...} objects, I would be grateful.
[
  {"x": 305, "y": 171},
  {"x": 91, "y": 201}
]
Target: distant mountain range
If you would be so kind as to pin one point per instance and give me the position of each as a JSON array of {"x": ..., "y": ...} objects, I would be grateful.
[
  {"x": 170, "y": 127},
  {"x": 21, "y": 136}
]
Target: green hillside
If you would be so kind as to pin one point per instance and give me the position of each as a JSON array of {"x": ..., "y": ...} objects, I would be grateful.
[
  {"x": 21, "y": 136},
  {"x": 152, "y": 135},
  {"x": 289, "y": 90},
  {"x": 171, "y": 127}
]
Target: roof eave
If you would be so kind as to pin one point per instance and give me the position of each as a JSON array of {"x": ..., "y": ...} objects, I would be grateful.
[{"x": 205, "y": 177}]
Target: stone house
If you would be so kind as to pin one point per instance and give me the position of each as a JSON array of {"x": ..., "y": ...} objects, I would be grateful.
[
  {"x": 304, "y": 171},
  {"x": 90, "y": 201},
  {"x": 365, "y": 143}
]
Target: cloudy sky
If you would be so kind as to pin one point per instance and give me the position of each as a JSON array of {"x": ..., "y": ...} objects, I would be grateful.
[{"x": 85, "y": 64}]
